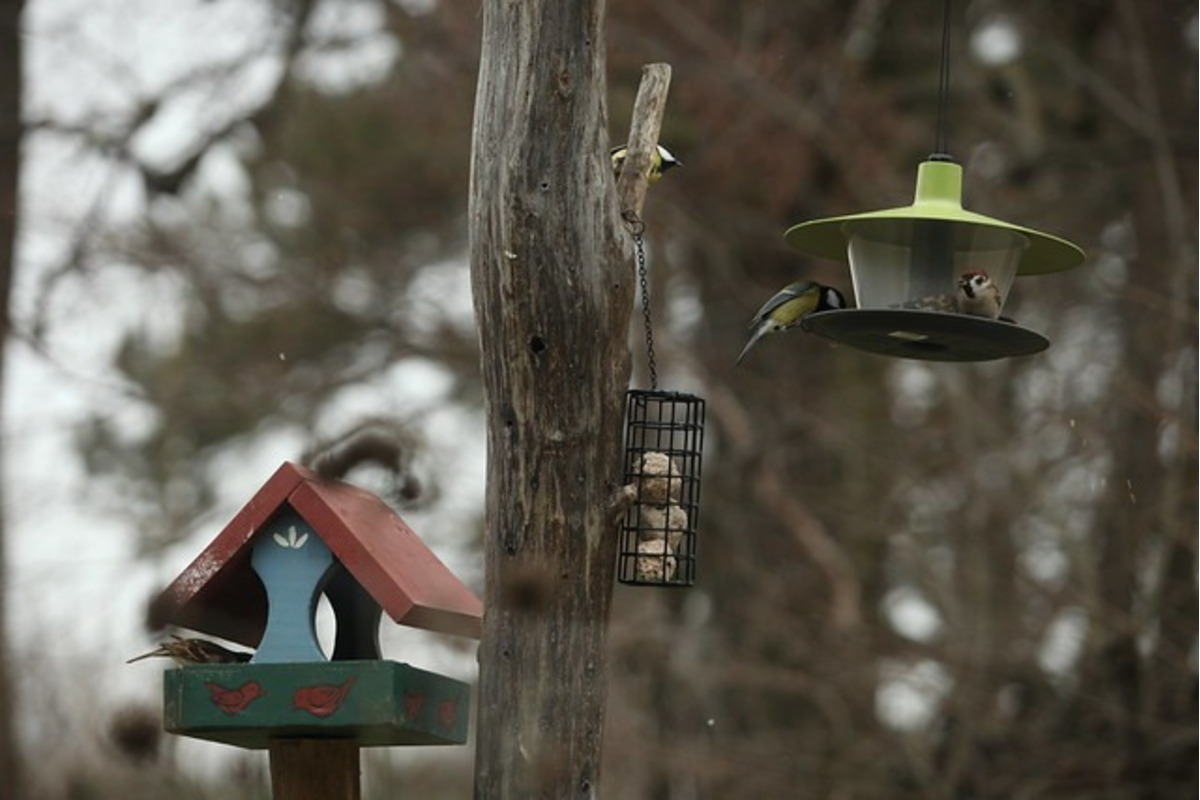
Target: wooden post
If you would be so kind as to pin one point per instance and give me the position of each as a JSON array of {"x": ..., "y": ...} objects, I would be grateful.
[
  {"x": 314, "y": 769},
  {"x": 553, "y": 288}
]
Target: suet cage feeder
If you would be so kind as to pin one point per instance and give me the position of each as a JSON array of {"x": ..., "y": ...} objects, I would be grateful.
[
  {"x": 902, "y": 258},
  {"x": 664, "y": 437}
]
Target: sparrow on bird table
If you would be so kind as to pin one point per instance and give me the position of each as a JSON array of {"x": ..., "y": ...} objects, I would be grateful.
[{"x": 194, "y": 651}]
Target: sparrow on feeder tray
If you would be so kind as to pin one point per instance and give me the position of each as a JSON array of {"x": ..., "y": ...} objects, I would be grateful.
[{"x": 978, "y": 295}]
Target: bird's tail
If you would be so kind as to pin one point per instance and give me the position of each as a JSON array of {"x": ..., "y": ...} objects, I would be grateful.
[
  {"x": 161, "y": 651},
  {"x": 755, "y": 335}
]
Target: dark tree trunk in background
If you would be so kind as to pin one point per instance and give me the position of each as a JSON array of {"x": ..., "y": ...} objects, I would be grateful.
[
  {"x": 552, "y": 299},
  {"x": 1138, "y": 695},
  {"x": 10, "y": 139}
]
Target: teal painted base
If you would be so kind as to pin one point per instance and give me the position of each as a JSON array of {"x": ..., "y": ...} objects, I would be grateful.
[{"x": 376, "y": 703}]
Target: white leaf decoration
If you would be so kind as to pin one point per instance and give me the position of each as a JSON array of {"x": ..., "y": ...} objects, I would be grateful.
[{"x": 294, "y": 539}]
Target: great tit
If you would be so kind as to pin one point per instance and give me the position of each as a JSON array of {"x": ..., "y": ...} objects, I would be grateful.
[
  {"x": 789, "y": 307},
  {"x": 660, "y": 161}
]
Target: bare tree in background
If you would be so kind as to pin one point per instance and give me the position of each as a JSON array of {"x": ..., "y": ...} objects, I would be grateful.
[
  {"x": 10, "y": 169},
  {"x": 1008, "y": 547}
]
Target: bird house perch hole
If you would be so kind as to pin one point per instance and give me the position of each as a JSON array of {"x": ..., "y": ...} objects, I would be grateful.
[{"x": 664, "y": 437}]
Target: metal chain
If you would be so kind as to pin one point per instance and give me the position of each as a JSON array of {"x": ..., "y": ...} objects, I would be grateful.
[{"x": 637, "y": 228}]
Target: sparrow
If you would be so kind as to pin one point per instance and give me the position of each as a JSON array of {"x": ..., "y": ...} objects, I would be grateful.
[
  {"x": 788, "y": 308},
  {"x": 978, "y": 295},
  {"x": 194, "y": 651},
  {"x": 660, "y": 161}
]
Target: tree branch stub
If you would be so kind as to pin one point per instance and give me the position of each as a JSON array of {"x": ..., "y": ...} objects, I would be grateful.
[{"x": 648, "y": 109}]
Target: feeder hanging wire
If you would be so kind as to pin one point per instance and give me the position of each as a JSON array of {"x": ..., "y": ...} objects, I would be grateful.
[
  {"x": 637, "y": 228},
  {"x": 939, "y": 144}
]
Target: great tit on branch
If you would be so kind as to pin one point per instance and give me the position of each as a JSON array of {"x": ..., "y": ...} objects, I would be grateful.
[
  {"x": 660, "y": 161},
  {"x": 789, "y": 307}
]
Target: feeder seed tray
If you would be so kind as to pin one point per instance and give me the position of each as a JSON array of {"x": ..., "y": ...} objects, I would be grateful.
[{"x": 926, "y": 335}]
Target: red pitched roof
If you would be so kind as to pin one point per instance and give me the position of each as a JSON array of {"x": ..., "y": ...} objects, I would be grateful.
[{"x": 220, "y": 594}]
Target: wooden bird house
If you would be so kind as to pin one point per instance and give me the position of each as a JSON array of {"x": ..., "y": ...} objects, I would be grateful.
[{"x": 258, "y": 583}]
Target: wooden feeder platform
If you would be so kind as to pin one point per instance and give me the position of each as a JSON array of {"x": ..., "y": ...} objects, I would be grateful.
[
  {"x": 373, "y": 703},
  {"x": 258, "y": 583}
]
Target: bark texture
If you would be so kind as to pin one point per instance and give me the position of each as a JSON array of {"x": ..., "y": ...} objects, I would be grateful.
[{"x": 553, "y": 293}]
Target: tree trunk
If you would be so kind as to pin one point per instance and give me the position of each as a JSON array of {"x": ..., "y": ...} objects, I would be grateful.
[
  {"x": 553, "y": 293},
  {"x": 10, "y": 140}
]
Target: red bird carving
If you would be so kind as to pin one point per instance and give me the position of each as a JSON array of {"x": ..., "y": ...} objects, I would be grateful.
[
  {"x": 235, "y": 701},
  {"x": 322, "y": 700},
  {"x": 413, "y": 703},
  {"x": 447, "y": 713}
]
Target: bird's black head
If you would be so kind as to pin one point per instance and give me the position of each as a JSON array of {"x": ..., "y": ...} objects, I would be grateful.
[
  {"x": 666, "y": 159},
  {"x": 830, "y": 299}
]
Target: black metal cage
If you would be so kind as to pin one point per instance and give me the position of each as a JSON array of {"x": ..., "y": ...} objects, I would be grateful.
[{"x": 664, "y": 438}]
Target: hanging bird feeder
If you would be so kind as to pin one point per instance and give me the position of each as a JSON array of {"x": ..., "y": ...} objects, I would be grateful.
[
  {"x": 664, "y": 430},
  {"x": 664, "y": 439},
  {"x": 931, "y": 279},
  {"x": 907, "y": 265}
]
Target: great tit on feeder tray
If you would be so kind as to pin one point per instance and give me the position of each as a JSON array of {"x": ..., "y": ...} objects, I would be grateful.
[{"x": 788, "y": 308}]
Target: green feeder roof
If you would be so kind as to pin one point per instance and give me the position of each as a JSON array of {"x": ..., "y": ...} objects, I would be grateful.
[{"x": 938, "y": 198}]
